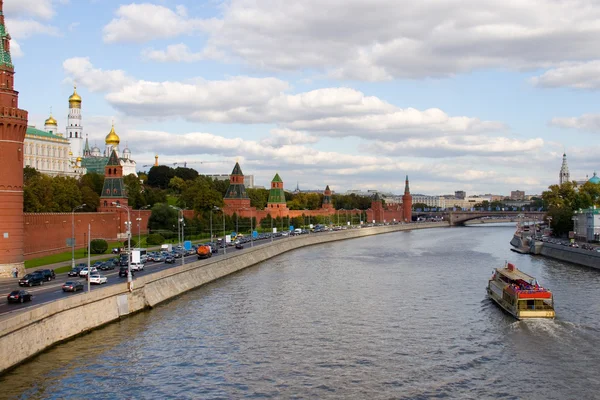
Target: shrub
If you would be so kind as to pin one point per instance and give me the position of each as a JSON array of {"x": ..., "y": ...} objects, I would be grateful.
[
  {"x": 98, "y": 246},
  {"x": 155, "y": 239}
]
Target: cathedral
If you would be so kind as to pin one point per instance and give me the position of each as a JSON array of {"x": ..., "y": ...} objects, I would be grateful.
[{"x": 53, "y": 153}]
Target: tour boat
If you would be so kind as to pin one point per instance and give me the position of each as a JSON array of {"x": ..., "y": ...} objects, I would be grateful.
[{"x": 519, "y": 294}]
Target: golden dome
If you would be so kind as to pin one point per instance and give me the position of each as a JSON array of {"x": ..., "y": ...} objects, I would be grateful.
[
  {"x": 75, "y": 99},
  {"x": 70, "y": 153},
  {"x": 78, "y": 159},
  {"x": 112, "y": 137},
  {"x": 51, "y": 121}
]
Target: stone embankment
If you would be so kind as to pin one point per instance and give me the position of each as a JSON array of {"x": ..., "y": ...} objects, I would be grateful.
[
  {"x": 30, "y": 332},
  {"x": 573, "y": 255}
]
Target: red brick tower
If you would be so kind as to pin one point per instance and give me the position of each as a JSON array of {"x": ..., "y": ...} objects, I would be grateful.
[
  {"x": 13, "y": 124},
  {"x": 276, "y": 203},
  {"x": 407, "y": 203},
  {"x": 114, "y": 188},
  {"x": 377, "y": 208},
  {"x": 236, "y": 196},
  {"x": 327, "y": 204}
]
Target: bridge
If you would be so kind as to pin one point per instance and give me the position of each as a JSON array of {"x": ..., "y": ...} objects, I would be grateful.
[{"x": 458, "y": 218}]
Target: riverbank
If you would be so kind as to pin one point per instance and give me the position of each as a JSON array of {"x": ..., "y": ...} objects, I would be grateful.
[
  {"x": 573, "y": 255},
  {"x": 28, "y": 333}
]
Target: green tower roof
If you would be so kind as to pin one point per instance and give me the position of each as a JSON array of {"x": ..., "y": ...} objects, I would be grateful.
[
  {"x": 276, "y": 195},
  {"x": 113, "y": 160},
  {"x": 237, "y": 170},
  {"x": 277, "y": 179},
  {"x": 5, "y": 59}
]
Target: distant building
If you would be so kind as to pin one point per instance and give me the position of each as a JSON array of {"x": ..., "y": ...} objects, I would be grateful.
[
  {"x": 586, "y": 224},
  {"x": 48, "y": 152},
  {"x": 564, "y": 175},
  {"x": 430, "y": 201},
  {"x": 460, "y": 194},
  {"x": 517, "y": 195}
]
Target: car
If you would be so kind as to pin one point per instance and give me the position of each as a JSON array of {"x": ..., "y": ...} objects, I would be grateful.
[
  {"x": 81, "y": 265},
  {"x": 169, "y": 260},
  {"x": 105, "y": 266},
  {"x": 18, "y": 296},
  {"x": 84, "y": 271},
  {"x": 47, "y": 273},
  {"x": 239, "y": 246},
  {"x": 72, "y": 286},
  {"x": 123, "y": 272},
  {"x": 98, "y": 279},
  {"x": 74, "y": 272},
  {"x": 137, "y": 266},
  {"x": 32, "y": 279}
]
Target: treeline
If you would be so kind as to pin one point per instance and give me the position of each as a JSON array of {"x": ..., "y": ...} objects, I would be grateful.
[{"x": 562, "y": 200}]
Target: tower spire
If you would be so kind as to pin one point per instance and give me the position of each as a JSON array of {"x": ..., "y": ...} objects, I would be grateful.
[
  {"x": 406, "y": 188},
  {"x": 564, "y": 175}
]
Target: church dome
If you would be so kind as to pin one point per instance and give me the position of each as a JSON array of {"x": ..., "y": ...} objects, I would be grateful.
[
  {"x": 95, "y": 150},
  {"x": 594, "y": 179},
  {"x": 75, "y": 99},
  {"x": 51, "y": 121},
  {"x": 112, "y": 137}
]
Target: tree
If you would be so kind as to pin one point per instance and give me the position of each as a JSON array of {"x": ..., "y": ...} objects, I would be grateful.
[
  {"x": 186, "y": 174},
  {"x": 155, "y": 239},
  {"x": 163, "y": 217},
  {"x": 258, "y": 198},
  {"x": 419, "y": 206},
  {"x": 92, "y": 180},
  {"x": 98, "y": 246},
  {"x": 29, "y": 173},
  {"x": 177, "y": 184},
  {"x": 160, "y": 176},
  {"x": 200, "y": 195},
  {"x": 65, "y": 193},
  {"x": 38, "y": 194},
  {"x": 90, "y": 199},
  {"x": 135, "y": 191}
]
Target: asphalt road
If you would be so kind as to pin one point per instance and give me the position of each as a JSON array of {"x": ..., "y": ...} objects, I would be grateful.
[{"x": 52, "y": 290}]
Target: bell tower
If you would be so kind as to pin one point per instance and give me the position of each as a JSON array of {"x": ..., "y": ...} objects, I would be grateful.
[{"x": 13, "y": 124}]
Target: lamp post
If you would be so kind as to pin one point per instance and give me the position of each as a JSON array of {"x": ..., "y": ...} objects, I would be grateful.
[
  {"x": 180, "y": 226},
  {"x": 129, "y": 276},
  {"x": 139, "y": 222},
  {"x": 224, "y": 237},
  {"x": 73, "y": 235}
]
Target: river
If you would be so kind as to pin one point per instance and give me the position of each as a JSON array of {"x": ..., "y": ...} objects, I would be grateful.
[{"x": 396, "y": 316}]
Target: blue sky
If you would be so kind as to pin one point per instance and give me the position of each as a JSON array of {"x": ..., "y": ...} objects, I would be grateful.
[{"x": 481, "y": 96}]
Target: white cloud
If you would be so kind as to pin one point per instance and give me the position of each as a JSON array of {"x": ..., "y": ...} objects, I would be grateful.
[
  {"x": 583, "y": 75},
  {"x": 382, "y": 39},
  {"x": 144, "y": 22},
  {"x": 24, "y": 28},
  {"x": 586, "y": 122},
  {"x": 173, "y": 53},
  {"x": 287, "y": 137},
  {"x": 33, "y": 8},
  {"x": 15, "y": 49},
  {"x": 81, "y": 71},
  {"x": 456, "y": 146}
]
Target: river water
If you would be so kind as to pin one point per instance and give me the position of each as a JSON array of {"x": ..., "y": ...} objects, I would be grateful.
[{"x": 396, "y": 316}]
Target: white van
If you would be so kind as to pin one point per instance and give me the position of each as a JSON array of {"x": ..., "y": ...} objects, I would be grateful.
[
  {"x": 137, "y": 266},
  {"x": 297, "y": 231}
]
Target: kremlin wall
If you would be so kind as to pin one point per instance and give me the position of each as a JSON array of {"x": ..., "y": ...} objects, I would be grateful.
[{"x": 27, "y": 236}]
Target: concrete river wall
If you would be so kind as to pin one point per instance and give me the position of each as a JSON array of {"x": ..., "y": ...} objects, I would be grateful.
[
  {"x": 571, "y": 254},
  {"x": 30, "y": 332}
]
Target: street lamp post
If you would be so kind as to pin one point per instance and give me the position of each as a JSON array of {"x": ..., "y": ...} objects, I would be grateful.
[
  {"x": 224, "y": 237},
  {"x": 129, "y": 276},
  {"x": 180, "y": 236},
  {"x": 73, "y": 235},
  {"x": 139, "y": 222}
]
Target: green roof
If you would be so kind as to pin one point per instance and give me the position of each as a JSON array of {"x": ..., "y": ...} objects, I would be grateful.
[
  {"x": 276, "y": 196},
  {"x": 277, "y": 179},
  {"x": 94, "y": 164},
  {"x": 113, "y": 187},
  {"x": 5, "y": 60},
  {"x": 236, "y": 191},
  {"x": 237, "y": 170},
  {"x": 37, "y": 132},
  {"x": 113, "y": 160}
]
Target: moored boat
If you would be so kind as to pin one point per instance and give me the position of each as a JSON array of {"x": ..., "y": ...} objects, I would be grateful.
[{"x": 519, "y": 294}]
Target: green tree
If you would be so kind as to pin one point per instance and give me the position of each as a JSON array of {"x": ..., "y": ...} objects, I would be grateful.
[
  {"x": 66, "y": 194},
  {"x": 258, "y": 198},
  {"x": 29, "y": 173},
  {"x": 200, "y": 195},
  {"x": 177, "y": 184},
  {"x": 163, "y": 217},
  {"x": 155, "y": 239},
  {"x": 418, "y": 206},
  {"x": 92, "y": 180},
  {"x": 98, "y": 246},
  {"x": 90, "y": 199},
  {"x": 135, "y": 191},
  {"x": 160, "y": 176},
  {"x": 187, "y": 174}
]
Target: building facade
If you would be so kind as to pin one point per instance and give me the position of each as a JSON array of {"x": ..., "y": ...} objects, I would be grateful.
[
  {"x": 564, "y": 175},
  {"x": 517, "y": 195},
  {"x": 48, "y": 152},
  {"x": 13, "y": 126},
  {"x": 586, "y": 225}
]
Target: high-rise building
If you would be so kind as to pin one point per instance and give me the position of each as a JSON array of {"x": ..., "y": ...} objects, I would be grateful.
[{"x": 13, "y": 125}]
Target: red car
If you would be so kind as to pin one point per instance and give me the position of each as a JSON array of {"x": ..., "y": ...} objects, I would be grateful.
[{"x": 18, "y": 296}]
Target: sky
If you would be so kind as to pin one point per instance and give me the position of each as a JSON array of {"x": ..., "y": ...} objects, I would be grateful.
[{"x": 476, "y": 95}]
